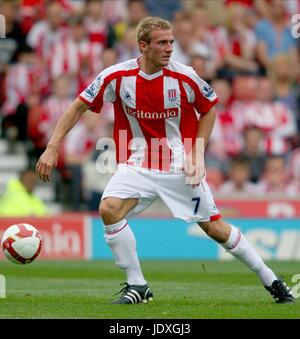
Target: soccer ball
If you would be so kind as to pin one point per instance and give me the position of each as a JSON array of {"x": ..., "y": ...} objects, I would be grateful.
[{"x": 21, "y": 243}]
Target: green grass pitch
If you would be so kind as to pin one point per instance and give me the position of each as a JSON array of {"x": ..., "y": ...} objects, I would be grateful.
[{"x": 182, "y": 290}]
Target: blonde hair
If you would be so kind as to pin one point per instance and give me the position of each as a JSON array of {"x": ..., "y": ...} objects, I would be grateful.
[{"x": 149, "y": 24}]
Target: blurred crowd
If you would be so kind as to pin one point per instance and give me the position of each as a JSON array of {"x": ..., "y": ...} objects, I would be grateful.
[{"x": 243, "y": 48}]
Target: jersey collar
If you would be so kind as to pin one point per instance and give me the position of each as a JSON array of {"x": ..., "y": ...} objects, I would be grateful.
[{"x": 148, "y": 76}]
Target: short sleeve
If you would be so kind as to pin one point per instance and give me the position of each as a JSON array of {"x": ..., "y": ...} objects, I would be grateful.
[
  {"x": 102, "y": 89},
  {"x": 200, "y": 93}
]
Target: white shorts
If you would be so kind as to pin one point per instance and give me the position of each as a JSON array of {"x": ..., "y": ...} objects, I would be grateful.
[{"x": 186, "y": 203}]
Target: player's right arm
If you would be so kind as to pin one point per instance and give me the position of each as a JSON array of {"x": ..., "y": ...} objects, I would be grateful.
[
  {"x": 67, "y": 121},
  {"x": 102, "y": 89}
]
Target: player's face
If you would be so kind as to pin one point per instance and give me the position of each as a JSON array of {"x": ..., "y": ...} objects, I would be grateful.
[{"x": 160, "y": 48}]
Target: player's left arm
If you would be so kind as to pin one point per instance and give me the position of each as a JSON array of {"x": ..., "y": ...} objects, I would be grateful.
[
  {"x": 205, "y": 126},
  {"x": 203, "y": 98},
  {"x": 194, "y": 165}
]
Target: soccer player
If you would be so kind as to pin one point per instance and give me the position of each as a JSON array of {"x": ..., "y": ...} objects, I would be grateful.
[{"x": 166, "y": 112}]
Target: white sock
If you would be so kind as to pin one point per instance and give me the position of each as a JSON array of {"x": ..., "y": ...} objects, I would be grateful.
[
  {"x": 121, "y": 241},
  {"x": 240, "y": 248}
]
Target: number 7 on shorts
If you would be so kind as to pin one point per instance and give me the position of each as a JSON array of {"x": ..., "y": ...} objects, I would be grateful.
[{"x": 197, "y": 204}]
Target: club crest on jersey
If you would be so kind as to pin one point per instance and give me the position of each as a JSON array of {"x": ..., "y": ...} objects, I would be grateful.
[{"x": 172, "y": 95}]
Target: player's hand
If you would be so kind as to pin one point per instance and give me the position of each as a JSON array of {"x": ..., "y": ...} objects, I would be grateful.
[
  {"x": 194, "y": 170},
  {"x": 46, "y": 163}
]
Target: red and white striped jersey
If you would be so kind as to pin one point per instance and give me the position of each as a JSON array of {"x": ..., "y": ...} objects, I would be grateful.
[
  {"x": 155, "y": 115},
  {"x": 23, "y": 80},
  {"x": 82, "y": 60},
  {"x": 42, "y": 39},
  {"x": 53, "y": 107}
]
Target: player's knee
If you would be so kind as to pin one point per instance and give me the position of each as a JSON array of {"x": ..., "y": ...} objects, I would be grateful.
[{"x": 109, "y": 210}]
